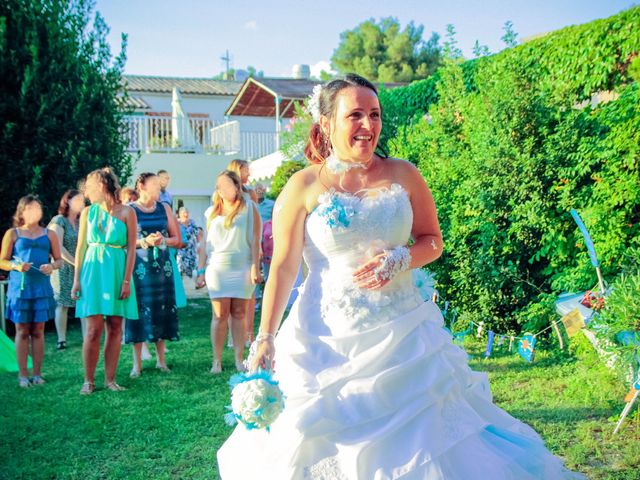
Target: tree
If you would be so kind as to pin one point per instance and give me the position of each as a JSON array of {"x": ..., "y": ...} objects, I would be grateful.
[
  {"x": 382, "y": 52},
  {"x": 510, "y": 36},
  {"x": 451, "y": 49},
  {"x": 480, "y": 50},
  {"x": 59, "y": 111}
]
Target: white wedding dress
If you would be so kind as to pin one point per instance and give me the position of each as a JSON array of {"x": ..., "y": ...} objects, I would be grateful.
[{"x": 375, "y": 388}]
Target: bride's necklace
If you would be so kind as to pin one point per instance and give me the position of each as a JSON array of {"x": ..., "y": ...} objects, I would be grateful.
[{"x": 337, "y": 166}]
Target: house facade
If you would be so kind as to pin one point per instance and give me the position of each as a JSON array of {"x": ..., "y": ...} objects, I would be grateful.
[{"x": 188, "y": 127}]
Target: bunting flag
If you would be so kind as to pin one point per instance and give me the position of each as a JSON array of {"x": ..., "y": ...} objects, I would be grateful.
[
  {"x": 587, "y": 238},
  {"x": 511, "y": 343},
  {"x": 453, "y": 318},
  {"x": 458, "y": 338},
  {"x": 446, "y": 309},
  {"x": 557, "y": 330},
  {"x": 491, "y": 336},
  {"x": 526, "y": 346},
  {"x": 573, "y": 322},
  {"x": 480, "y": 329},
  {"x": 501, "y": 340}
]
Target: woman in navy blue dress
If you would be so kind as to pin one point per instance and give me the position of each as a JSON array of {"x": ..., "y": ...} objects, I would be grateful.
[{"x": 153, "y": 274}]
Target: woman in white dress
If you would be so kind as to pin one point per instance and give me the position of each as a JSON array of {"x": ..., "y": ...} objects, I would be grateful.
[
  {"x": 241, "y": 168},
  {"x": 375, "y": 388},
  {"x": 232, "y": 263}
]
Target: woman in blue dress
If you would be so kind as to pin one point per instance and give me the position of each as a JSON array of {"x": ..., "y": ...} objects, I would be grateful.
[{"x": 26, "y": 253}]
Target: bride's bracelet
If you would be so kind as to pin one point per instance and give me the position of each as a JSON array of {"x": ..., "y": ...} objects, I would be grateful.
[
  {"x": 264, "y": 336},
  {"x": 396, "y": 260}
]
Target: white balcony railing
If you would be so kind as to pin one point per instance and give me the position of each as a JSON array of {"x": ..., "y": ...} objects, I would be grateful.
[
  {"x": 195, "y": 135},
  {"x": 163, "y": 133}
]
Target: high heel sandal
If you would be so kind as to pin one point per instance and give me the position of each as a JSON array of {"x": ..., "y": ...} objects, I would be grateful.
[
  {"x": 114, "y": 387},
  {"x": 23, "y": 382},
  {"x": 87, "y": 388},
  {"x": 37, "y": 380},
  {"x": 135, "y": 373}
]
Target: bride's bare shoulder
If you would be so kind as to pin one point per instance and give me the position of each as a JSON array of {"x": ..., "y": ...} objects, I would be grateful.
[
  {"x": 300, "y": 187},
  {"x": 405, "y": 173}
]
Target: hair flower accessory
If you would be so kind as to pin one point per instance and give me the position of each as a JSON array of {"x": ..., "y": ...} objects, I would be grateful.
[{"x": 313, "y": 105}]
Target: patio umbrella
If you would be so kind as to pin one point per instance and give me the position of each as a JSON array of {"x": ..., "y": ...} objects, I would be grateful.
[{"x": 181, "y": 131}]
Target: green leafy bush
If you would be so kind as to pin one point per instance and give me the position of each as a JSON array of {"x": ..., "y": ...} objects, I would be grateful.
[
  {"x": 282, "y": 175},
  {"x": 508, "y": 152}
]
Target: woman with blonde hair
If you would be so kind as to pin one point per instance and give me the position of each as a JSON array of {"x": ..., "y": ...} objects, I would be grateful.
[
  {"x": 232, "y": 263},
  {"x": 241, "y": 168}
]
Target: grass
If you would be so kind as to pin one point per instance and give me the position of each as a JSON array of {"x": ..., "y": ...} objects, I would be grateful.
[{"x": 169, "y": 426}]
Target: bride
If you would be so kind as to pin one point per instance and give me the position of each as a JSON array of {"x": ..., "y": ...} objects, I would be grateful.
[{"x": 375, "y": 388}]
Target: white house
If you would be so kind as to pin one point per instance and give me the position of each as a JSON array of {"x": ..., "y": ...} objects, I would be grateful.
[{"x": 193, "y": 127}]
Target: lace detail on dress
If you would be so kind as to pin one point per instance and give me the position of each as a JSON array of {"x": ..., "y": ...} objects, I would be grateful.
[
  {"x": 365, "y": 308},
  {"x": 325, "y": 469},
  {"x": 338, "y": 209},
  {"x": 456, "y": 420}
]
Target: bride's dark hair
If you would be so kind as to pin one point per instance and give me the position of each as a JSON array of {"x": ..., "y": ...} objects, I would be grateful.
[{"x": 318, "y": 146}]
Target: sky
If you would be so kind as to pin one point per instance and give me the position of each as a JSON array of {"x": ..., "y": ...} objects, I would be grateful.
[{"x": 187, "y": 38}]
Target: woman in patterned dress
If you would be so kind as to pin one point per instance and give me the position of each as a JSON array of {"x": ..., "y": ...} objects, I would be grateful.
[
  {"x": 191, "y": 238},
  {"x": 66, "y": 224},
  {"x": 153, "y": 274}
]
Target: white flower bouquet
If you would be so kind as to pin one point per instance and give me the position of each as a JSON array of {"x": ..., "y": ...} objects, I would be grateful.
[{"x": 256, "y": 400}]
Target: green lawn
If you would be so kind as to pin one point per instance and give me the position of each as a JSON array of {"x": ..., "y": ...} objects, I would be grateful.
[{"x": 170, "y": 425}]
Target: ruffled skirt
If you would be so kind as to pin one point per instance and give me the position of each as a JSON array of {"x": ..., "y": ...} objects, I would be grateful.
[{"x": 394, "y": 399}]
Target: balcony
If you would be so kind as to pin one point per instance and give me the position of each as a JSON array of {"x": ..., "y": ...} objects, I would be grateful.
[{"x": 166, "y": 134}]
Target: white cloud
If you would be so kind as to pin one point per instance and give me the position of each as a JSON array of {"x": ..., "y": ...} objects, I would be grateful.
[
  {"x": 317, "y": 67},
  {"x": 251, "y": 25}
]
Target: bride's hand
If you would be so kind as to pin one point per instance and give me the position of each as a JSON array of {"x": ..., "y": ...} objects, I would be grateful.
[
  {"x": 367, "y": 276},
  {"x": 263, "y": 357}
]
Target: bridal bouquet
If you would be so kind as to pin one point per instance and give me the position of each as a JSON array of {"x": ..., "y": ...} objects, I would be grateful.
[{"x": 256, "y": 400}]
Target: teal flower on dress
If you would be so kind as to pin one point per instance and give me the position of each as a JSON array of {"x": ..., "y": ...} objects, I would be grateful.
[
  {"x": 335, "y": 213},
  {"x": 141, "y": 271}
]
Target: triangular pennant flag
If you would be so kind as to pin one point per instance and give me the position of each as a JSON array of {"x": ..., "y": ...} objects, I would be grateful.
[
  {"x": 527, "y": 346},
  {"x": 573, "y": 322},
  {"x": 501, "y": 340}
]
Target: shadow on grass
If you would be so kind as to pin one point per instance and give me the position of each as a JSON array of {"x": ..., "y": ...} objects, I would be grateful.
[{"x": 562, "y": 416}]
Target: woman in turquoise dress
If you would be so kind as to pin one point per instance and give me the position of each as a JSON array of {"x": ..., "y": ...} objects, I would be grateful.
[
  {"x": 102, "y": 285},
  {"x": 26, "y": 250},
  {"x": 154, "y": 274}
]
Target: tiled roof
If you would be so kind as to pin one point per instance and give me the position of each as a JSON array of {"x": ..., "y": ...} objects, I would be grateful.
[
  {"x": 256, "y": 96},
  {"x": 194, "y": 86},
  {"x": 289, "y": 87},
  {"x": 134, "y": 102}
]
